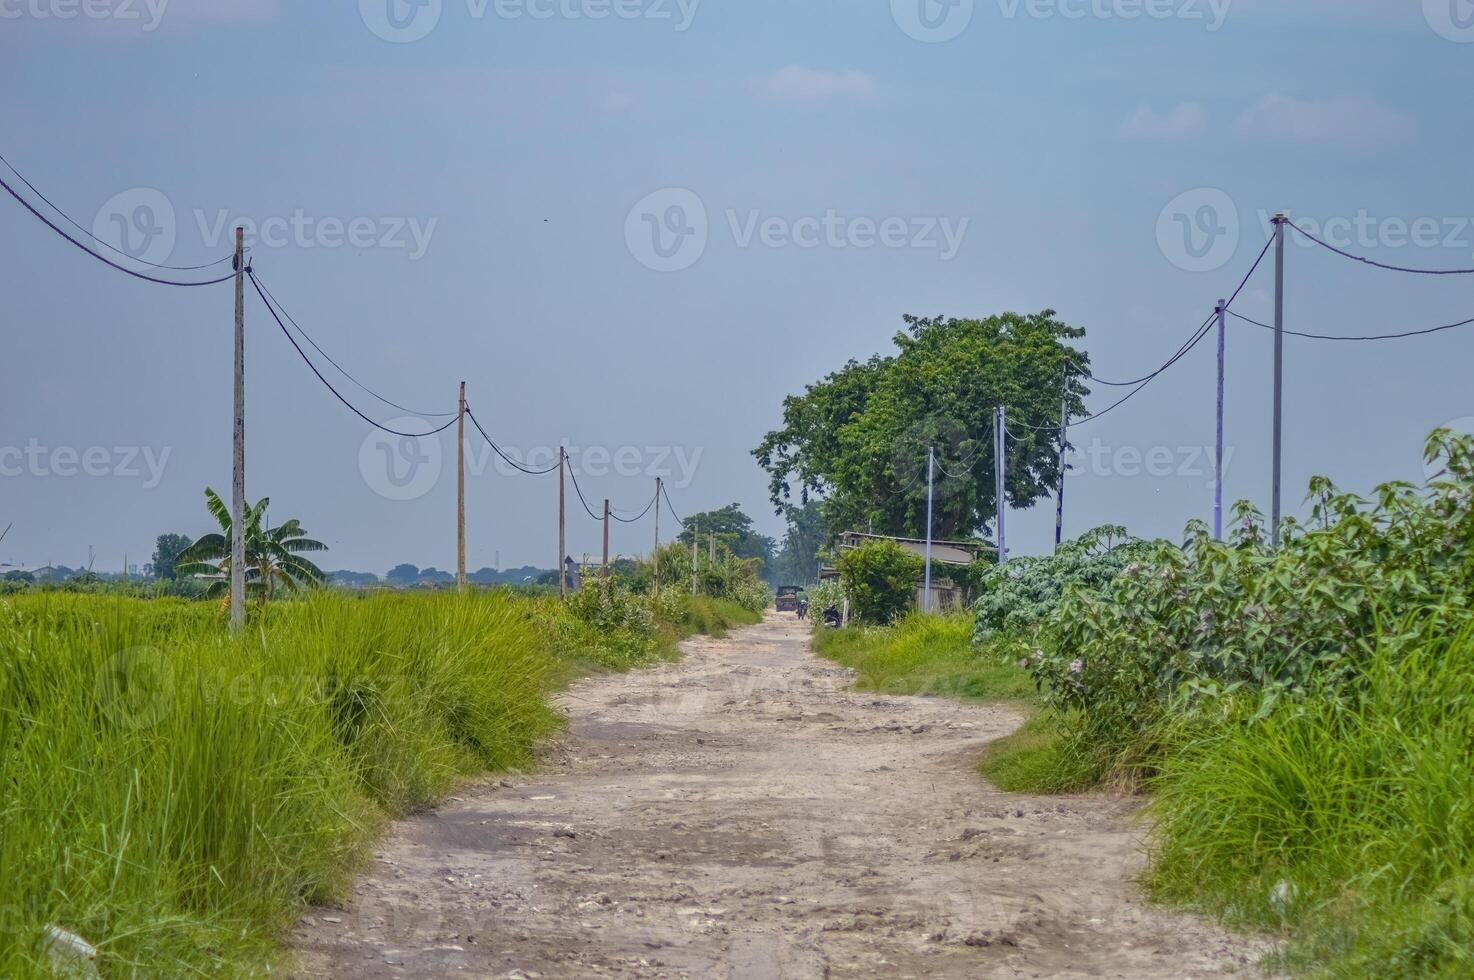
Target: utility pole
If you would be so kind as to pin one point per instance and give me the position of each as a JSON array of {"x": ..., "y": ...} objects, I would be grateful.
[
  {"x": 1218, "y": 458},
  {"x": 562, "y": 522},
  {"x": 1064, "y": 442},
  {"x": 606, "y": 539},
  {"x": 461, "y": 492},
  {"x": 695, "y": 560},
  {"x": 238, "y": 467},
  {"x": 1279, "y": 374},
  {"x": 1000, "y": 442},
  {"x": 931, "y": 465},
  {"x": 659, "y": 482}
]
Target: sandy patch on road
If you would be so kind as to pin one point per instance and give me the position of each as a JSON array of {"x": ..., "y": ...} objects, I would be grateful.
[{"x": 744, "y": 814}]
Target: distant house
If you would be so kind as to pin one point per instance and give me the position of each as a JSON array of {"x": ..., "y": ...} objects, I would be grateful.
[
  {"x": 945, "y": 555},
  {"x": 52, "y": 573}
]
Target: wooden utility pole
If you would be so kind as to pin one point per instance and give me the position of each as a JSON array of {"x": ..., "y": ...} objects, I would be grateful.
[
  {"x": 238, "y": 439},
  {"x": 1279, "y": 377},
  {"x": 695, "y": 560},
  {"x": 931, "y": 466},
  {"x": 1064, "y": 442},
  {"x": 562, "y": 523},
  {"x": 461, "y": 491},
  {"x": 1218, "y": 453},
  {"x": 659, "y": 482},
  {"x": 606, "y": 539},
  {"x": 1000, "y": 444}
]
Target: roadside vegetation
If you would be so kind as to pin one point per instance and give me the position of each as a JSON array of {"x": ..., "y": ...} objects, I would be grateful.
[
  {"x": 175, "y": 795},
  {"x": 1299, "y": 717}
]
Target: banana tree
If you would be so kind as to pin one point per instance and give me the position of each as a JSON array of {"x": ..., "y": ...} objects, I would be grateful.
[{"x": 273, "y": 555}]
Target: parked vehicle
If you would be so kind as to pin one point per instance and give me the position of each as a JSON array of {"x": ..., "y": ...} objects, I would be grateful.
[{"x": 788, "y": 598}]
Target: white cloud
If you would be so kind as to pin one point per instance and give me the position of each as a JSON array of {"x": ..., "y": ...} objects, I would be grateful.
[
  {"x": 1183, "y": 121},
  {"x": 812, "y": 86},
  {"x": 1346, "y": 121}
]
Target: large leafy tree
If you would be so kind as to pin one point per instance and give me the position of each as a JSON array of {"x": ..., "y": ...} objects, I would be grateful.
[
  {"x": 167, "y": 550},
  {"x": 798, "y": 557},
  {"x": 273, "y": 554},
  {"x": 733, "y": 529},
  {"x": 859, "y": 439}
]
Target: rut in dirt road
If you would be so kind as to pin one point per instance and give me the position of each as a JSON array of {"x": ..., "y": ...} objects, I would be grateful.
[{"x": 744, "y": 814}]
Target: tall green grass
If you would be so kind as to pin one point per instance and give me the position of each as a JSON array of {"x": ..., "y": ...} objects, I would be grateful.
[
  {"x": 927, "y": 655},
  {"x": 1346, "y": 819},
  {"x": 174, "y": 795}
]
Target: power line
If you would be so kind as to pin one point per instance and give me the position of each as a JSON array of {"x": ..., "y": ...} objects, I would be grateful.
[
  {"x": 670, "y": 506},
  {"x": 581, "y": 499},
  {"x": 1385, "y": 336},
  {"x": 1197, "y": 339},
  {"x": 1192, "y": 339},
  {"x": 343, "y": 371},
  {"x": 328, "y": 384},
  {"x": 498, "y": 449},
  {"x": 105, "y": 244},
  {"x": 635, "y": 520},
  {"x": 1379, "y": 265},
  {"x": 103, "y": 258}
]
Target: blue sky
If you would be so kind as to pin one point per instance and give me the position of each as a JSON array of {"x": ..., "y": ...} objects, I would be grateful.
[{"x": 1057, "y": 143}]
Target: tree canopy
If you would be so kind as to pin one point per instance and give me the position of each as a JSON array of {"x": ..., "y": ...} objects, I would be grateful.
[
  {"x": 167, "y": 550},
  {"x": 859, "y": 438},
  {"x": 734, "y": 529}
]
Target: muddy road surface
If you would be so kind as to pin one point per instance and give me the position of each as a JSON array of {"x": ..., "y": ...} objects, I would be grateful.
[{"x": 745, "y": 814}]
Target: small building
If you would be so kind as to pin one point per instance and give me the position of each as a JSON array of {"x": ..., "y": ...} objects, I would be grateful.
[{"x": 945, "y": 555}]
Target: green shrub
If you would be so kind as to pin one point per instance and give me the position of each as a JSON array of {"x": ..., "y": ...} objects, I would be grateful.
[
  {"x": 824, "y": 595},
  {"x": 1186, "y": 626},
  {"x": 1018, "y": 596},
  {"x": 880, "y": 577}
]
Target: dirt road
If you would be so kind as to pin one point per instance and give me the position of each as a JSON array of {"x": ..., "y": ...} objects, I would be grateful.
[{"x": 744, "y": 814}]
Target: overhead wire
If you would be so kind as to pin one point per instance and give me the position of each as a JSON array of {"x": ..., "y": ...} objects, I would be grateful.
[
  {"x": 103, "y": 258},
  {"x": 342, "y": 370},
  {"x": 1380, "y": 265},
  {"x": 1385, "y": 336},
  {"x": 328, "y": 384},
  {"x": 105, "y": 244},
  {"x": 520, "y": 466}
]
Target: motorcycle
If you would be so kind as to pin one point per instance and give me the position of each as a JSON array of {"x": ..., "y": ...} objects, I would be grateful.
[{"x": 832, "y": 619}]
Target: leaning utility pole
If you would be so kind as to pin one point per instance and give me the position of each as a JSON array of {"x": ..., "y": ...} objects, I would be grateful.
[
  {"x": 931, "y": 465},
  {"x": 1279, "y": 374},
  {"x": 562, "y": 523},
  {"x": 461, "y": 492},
  {"x": 238, "y": 468},
  {"x": 1218, "y": 457},
  {"x": 606, "y": 539},
  {"x": 1000, "y": 442}
]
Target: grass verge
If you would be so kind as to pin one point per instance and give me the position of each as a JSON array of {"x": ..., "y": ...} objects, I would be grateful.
[{"x": 175, "y": 795}]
